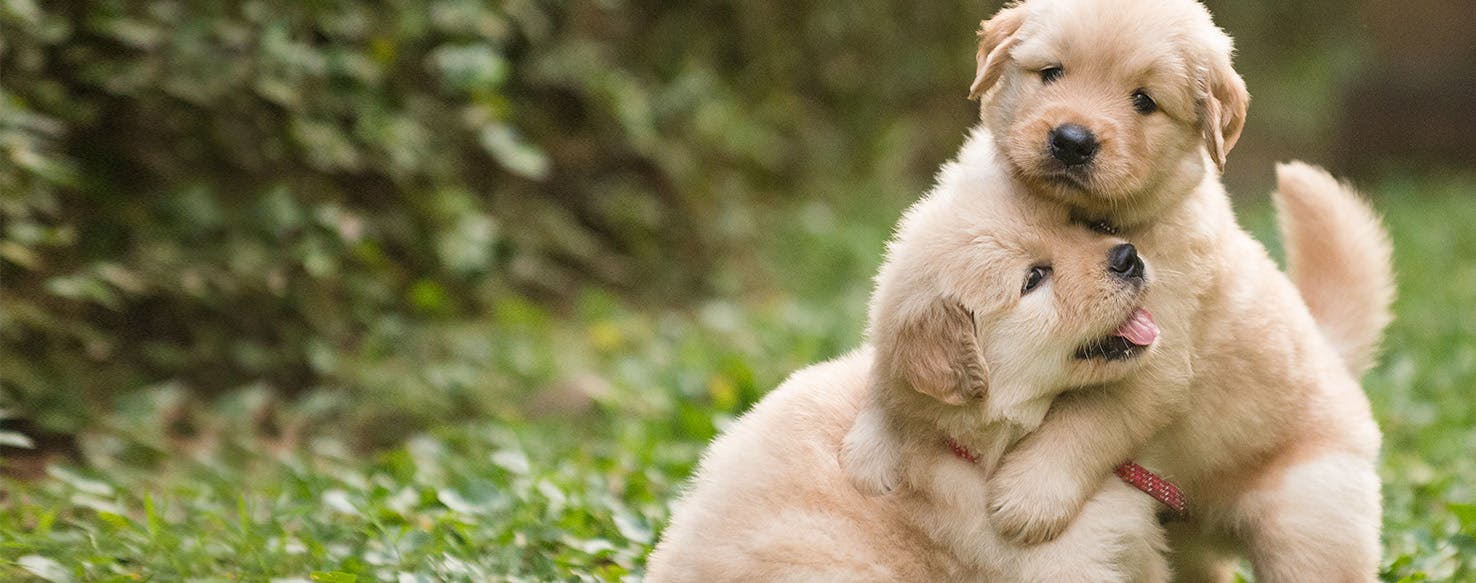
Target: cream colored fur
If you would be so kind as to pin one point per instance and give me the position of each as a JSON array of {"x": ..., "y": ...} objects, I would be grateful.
[
  {"x": 842, "y": 473},
  {"x": 1252, "y": 406},
  {"x": 1338, "y": 255}
]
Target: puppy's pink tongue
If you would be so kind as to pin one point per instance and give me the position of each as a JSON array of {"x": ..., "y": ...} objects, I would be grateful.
[{"x": 1139, "y": 329}]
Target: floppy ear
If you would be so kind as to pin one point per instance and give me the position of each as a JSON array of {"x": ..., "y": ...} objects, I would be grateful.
[
  {"x": 1222, "y": 112},
  {"x": 996, "y": 37},
  {"x": 936, "y": 352},
  {"x": 871, "y": 455}
]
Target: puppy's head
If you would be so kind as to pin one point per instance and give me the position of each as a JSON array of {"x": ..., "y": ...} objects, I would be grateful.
[
  {"x": 988, "y": 322},
  {"x": 1104, "y": 104},
  {"x": 1016, "y": 314}
]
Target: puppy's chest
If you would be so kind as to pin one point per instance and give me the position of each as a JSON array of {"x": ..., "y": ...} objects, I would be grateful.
[
  {"x": 1180, "y": 280},
  {"x": 1181, "y": 260},
  {"x": 1180, "y": 254}
]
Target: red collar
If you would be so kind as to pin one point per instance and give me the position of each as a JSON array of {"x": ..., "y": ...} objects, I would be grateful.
[{"x": 1135, "y": 475}]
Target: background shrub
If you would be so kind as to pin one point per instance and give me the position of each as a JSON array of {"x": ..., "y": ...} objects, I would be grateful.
[{"x": 295, "y": 196}]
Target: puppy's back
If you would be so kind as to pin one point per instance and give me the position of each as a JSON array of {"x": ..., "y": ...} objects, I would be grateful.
[{"x": 769, "y": 501}]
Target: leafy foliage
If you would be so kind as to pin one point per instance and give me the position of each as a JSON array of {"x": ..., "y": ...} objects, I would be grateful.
[
  {"x": 553, "y": 494},
  {"x": 220, "y": 195}
]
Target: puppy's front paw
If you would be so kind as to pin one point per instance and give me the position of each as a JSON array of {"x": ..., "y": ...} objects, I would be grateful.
[{"x": 1031, "y": 508}]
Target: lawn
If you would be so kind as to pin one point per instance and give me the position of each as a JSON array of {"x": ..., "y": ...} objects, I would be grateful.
[{"x": 600, "y": 412}]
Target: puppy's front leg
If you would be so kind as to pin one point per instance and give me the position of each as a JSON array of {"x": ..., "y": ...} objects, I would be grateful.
[{"x": 1043, "y": 482}]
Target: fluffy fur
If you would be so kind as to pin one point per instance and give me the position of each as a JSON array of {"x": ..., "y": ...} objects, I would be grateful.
[
  {"x": 1253, "y": 406},
  {"x": 842, "y": 473},
  {"x": 1338, "y": 256}
]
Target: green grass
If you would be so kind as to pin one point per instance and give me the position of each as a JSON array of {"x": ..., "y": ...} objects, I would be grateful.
[{"x": 543, "y": 489}]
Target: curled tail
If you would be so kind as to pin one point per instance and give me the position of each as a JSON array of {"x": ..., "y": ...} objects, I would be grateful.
[{"x": 1338, "y": 255}]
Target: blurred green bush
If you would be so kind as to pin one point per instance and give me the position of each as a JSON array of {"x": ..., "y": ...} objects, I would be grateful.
[{"x": 219, "y": 194}]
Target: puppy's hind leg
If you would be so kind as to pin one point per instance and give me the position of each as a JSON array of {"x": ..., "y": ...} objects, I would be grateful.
[{"x": 1318, "y": 519}]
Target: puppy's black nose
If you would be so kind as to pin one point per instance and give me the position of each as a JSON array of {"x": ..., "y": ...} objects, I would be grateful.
[
  {"x": 1072, "y": 144},
  {"x": 1123, "y": 260}
]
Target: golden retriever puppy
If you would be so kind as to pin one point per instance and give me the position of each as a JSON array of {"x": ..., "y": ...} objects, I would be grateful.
[
  {"x": 990, "y": 303},
  {"x": 1123, "y": 111}
]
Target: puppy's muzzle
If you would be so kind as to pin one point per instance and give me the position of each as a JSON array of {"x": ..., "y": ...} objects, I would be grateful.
[
  {"x": 1124, "y": 263},
  {"x": 1072, "y": 144}
]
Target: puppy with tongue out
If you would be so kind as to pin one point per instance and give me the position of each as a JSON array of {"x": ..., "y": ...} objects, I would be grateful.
[
  {"x": 1124, "y": 111},
  {"x": 1135, "y": 334},
  {"x": 990, "y": 308}
]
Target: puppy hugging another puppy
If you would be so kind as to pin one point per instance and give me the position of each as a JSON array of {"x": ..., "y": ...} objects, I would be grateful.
[
  {"x": 1013, "y": 363},
  {"x": 1124, "y": 112},
  {"x": 991, "y": 303}
]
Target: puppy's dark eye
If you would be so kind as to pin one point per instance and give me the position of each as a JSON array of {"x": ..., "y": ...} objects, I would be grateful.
[
  {"x": 1034, "y": 278},
  {"x": 1050, "y": 74},
  {"x": 1103, "y": 227},
  {"x": 1143, "y": 103}
]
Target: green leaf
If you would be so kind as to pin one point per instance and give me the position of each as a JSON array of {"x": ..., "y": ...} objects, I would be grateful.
[
  {"x": 430, "y": 297},
  {"x": 516, "y": 155},
  {"x": 334, "y": 577},
  {"x": 1466, "y": 514},
  {"x": 46, "y": 568},
  {"x": 16, "y": 439},
  {"x": 473, "y": 67}
]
